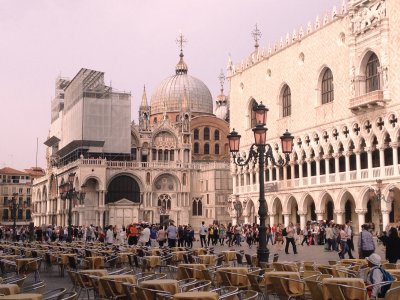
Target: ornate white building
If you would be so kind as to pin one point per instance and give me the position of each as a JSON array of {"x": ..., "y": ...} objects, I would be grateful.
[
  {"x": 334, "y": 86},
  {"x": 173, "y": 165}
]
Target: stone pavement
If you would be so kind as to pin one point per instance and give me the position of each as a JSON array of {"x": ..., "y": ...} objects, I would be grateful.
[{"x": 305, "y": 253}]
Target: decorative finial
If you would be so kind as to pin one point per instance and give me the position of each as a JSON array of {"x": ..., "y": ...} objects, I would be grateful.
[
  {"x": 181, "y": 67},
  {"x": 256, "y": 33}
]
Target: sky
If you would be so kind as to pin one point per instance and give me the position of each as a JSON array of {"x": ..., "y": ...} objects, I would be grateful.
[{"x": 132, "y": 41}]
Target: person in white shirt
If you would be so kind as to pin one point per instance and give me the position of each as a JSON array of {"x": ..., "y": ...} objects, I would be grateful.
[
  {"x": 109, "y": 235},
  {"x": 144, "y": 236}
]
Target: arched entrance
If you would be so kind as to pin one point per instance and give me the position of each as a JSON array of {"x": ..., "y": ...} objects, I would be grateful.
[
  {"x": 278, "y": 216},
  {"x": 123, "y": 187},
  {"x": 294, "y": 211},
  {"x": 309, "y": 208}
]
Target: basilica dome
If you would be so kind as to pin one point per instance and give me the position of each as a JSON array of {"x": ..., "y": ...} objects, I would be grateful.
[{"x": 168, "y": 96}]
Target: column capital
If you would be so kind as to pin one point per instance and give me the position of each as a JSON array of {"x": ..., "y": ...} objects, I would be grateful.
[
  {"x": 327, "y": 156},
  {"x": 339, "y": 211},
  {"x": 317, "y": 158},
  {"x": 319, "y": 212},
  {"x": 385, "y": 211},
  {"x": 302, "y": 213},
  {"x": 394, "y": 144},
  {"x": 348, "y": 153},
  {"x": 361, "y": 211}
]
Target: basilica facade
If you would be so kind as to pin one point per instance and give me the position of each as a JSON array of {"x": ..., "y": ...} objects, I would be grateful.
[
  {"x": 333, "y": 84},
  {"x": 172, "y": 165}
]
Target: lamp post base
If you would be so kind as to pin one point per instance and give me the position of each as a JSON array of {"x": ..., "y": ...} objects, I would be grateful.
[{"x": 262, "y": 255}]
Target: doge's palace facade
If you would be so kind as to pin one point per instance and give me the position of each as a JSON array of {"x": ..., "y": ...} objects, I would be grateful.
[{"x": 333, "y": 84}]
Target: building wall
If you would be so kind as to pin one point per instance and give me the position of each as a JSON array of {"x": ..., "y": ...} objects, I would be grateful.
[{"x": 357, "y": 132}]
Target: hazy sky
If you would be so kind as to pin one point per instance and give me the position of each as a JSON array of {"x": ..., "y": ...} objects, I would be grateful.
[{"x": 132, "y": 41}]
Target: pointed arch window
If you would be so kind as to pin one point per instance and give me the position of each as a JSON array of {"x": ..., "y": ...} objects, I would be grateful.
[
  {"x": 286, "y": 102},
  {"x": 327, "y": 87},
  {"x": 196, "y": 148},
  {"x": 252, "y": 114},
  {"x": 206, "y": 149},
  {"x": 177, "y": 118},
  {"x": 216, "y": 135},
  {"x": 196, "y": 134},
  {"x": 197, "y": 207},
  {"x": 206, "y": 134},
  {"x": 372, "y": 74},
  {"x": 216, "y": 149}
]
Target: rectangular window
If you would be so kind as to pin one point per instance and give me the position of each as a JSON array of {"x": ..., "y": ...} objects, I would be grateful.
[
  {"x": 21, "y": 191},
  {"x": 5, "y": 190},
  {"x": 28, "y": 191},
  {"x": 208, "y": 199}
]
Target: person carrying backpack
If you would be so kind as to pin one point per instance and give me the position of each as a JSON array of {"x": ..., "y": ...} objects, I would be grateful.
[{"x": 376, "y": 275}]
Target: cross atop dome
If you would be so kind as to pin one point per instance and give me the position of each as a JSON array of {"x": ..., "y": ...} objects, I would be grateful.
[{"x": 181, "y": 67}]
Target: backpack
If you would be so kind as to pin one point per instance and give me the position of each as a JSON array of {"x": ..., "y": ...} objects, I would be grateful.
[
  {"x": 284, "y": 232},
  {"x": 386, "y": 277}
]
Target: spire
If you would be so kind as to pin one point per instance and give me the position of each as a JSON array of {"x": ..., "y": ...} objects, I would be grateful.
[
  {"x": 181, "y": 67},
  {"x": 221, "y": 97},
  {"x": 256, "y": 33},
  {"x": 144, "y": 104}
]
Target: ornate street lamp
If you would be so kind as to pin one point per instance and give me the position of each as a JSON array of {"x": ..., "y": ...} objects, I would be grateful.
[
  {"x": 378, "y": 197},
  {"x": 68, "y": 192},
  {"x": 260, "y": 151},
  {"x": 14, "y": 206}
]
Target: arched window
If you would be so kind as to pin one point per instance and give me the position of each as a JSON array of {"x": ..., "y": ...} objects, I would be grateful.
[
  {"x": 196, "y": 148},
  {"x": 28, "y": 214},
  {"x": 184, "y": 179},
  {"x": 216, "y": 135},
  {"x": 197, "y": 207},
  {"x": 155, "y": 120},
  {"x": 5, "y": 214},
  {"x": 177, "y": 118},
  {"x": 206, "y": 149},
  {"x": 196, "y": 134},
  {"x": 286, "y": 102},
  {"x": 20, "y": 212},
  {"x": 206, "y": 134},
  {"x": 372, "y": 74},
  {"x": 327, "y": 87},
  {"x": 216, "y": 149}
]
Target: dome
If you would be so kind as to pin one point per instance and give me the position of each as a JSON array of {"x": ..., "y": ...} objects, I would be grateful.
[{"x": 169, "y": 94}]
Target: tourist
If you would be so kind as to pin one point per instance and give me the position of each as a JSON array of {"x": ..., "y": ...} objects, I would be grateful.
[
  {"x": 189, "y": 236},
  {"x": 349, "y": 232},
  {"x": 290, "y": 232},
  {"x": 109, "y": 236},
  {"x": 279, "y": 238},
  {"x": 222, "y": 234},
  {"x": 230, "y": 232},
  {"x": 203, "y": 233},
  {"x": 269, "y": 234},
  {"x": 181, "y": 236},
  {"x": 144, "y": 238},
  {"x": 249, "y": 236},
  {"x": 153, "y": 236},
  {"x": 366, "y": 244},
  {"x": 392, "y": 244},
  {"x": 172, "y": 233},
  {"x": 161, "y": 236},
  {"x": 343, "y": 246},
  {"x": 329, "y": 237},
  {"x": 375, "y": 276},
  {"x": 132, "y": 234},
  {"x": 305, "y": 236}
]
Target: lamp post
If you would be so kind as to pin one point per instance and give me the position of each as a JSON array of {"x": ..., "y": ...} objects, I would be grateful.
[
  {"x": 14, "y": 206},
  {"x": 260, "y": 151},
  {"x": 239, "y": 209},
  {"x": 378, "y": 197},
  {"x": 68, "y": 192}
]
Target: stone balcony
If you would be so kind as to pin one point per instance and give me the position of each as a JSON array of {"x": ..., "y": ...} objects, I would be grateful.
[{"x": 367, "y": 102}]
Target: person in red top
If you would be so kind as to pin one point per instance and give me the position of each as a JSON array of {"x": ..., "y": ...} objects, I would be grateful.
[
  {"x": 273, "y": 231},
  {"x": 132, "y": 235}
]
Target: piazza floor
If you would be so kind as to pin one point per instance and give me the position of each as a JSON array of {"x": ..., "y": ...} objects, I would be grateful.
[{"x": 305, "y": 253}]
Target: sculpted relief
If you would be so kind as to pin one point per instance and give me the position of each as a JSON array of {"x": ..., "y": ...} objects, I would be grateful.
[{"x": 364, "y": 16}]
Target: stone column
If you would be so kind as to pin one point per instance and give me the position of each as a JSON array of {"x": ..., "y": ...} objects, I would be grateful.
[
  {"x": 277, "y": 173},
  {"x": 101, "y": 215},
  {"x": 358, "y": 164},
  {"x": 234, "y": 177},
  {"x": 301, "y": 173},
  {"x": 284, "y": 173},
  {"x": 286, "y": 217},
  {"x": 320, "y": 215},
  {"x": 326, "y": 157},
  {"x": 339, "y": 216},
  {"x": 292, "y": 172},
  {"x": 308, "y": 171},
  {"x": 369, "y": 153},
  {"x": 336, "y": 156},
  {"x": 303, "y": 220},
  {"x": 361, "y": 217},
  {"x": 382, "y": 161},
  {"x": 395, "y": 159},
  {"x": 347, "y": 165},
  {"x": 317, "y": 162},
  {"x": 385, "y": 218}
]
